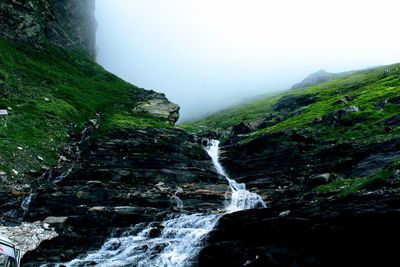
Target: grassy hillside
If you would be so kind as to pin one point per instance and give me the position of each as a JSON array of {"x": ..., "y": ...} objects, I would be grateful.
[
  {"x": 373, "y": 94},
  {"x": 360, "y": 109},
  {"x": 50, "y": 94}
]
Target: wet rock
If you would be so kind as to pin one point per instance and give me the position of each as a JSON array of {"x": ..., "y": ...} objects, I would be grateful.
[
  {"x": 149, "y": 174},
  {"x": 362, "y": 230},
  {"x": 284, "y": 213}
]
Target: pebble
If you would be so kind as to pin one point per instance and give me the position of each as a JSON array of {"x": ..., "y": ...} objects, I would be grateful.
[{"x": 284, "y": 213}]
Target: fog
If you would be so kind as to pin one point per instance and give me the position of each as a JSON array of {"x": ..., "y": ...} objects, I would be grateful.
[{"x": 206, "y": 55}]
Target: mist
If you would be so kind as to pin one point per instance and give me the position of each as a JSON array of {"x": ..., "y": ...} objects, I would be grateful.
[{"x": 206, "y": 55}]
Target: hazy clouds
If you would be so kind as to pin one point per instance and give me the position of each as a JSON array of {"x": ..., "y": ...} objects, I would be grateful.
[{"x": 207, "y": 54}]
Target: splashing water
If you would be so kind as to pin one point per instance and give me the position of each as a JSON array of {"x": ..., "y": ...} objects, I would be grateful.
[
  {"x": 180, "y": 238},
  {"x": 241, "y": 199}
]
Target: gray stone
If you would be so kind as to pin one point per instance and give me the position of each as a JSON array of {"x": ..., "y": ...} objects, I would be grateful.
[
  {"x": 51, "y": 220},
  {"x": 28, "y": 236},
  {"x": 352, "y": 109},
  {"x": 3, "y": 112},
  {"x": 157, "y": 105},
  {"x": 284, "y": 213}
]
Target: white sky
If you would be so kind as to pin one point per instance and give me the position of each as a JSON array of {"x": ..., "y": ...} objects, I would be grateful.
[{"x": 208, "y": 54}]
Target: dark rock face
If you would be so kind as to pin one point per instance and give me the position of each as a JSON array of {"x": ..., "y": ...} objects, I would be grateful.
[
  {"x": 287, "y": 163},
  {"x": 362, "y": 231},
  {"x": 291, "y": 103},
  {"x": 67, "y": 23},
  {"x": 241, "y": 128},
  {"x": 341, "y": 117},
  {"x": 123, "y": 179}
]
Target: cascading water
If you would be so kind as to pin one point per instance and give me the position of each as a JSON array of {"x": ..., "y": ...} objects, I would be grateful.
[
  {"x": 241, "y": 199},
  {"x": 181, "y": 236}
]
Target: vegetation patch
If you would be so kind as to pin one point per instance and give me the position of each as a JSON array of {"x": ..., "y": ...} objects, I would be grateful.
[
  {"x": 360, "y": 106},
  {"x": 389, "y": 177},
  {"x": 50, "y": 94}
]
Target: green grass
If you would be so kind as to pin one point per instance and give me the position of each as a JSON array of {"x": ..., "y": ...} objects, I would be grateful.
[
  {"x": 366, "y": 87},
  {"x": 126, "y": 121},
  {"x": 347, "y": 187},
  {"x": 52, "y": 93}
]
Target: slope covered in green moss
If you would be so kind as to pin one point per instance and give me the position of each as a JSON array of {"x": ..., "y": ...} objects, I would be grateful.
[
  {"x": 361, "y": 105},
  {"x": 348, "y": 127},
  {"x": 52, "y": 93}
]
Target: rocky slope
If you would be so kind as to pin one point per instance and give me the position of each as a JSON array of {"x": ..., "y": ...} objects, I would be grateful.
[
  {"x": 82, "y": 151},
  {"x": 123, "y": 179},
  {"x": 90, "y": 155},
  {"x": 357, "y": 231},
  {"x": 327, "y": 160},
  {"x": 339, "y": 137}
]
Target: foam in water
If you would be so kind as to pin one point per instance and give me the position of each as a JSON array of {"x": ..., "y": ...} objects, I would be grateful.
[
  {"x": 179, "y": 240},
  {"x": 181, "y": 237},
  {"x": 241, "y": 199}
]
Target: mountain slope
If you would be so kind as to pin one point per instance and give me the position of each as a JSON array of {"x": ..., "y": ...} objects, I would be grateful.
[
  {"x": 49, "y": 95},
  {"x": 348, "y": 127}
]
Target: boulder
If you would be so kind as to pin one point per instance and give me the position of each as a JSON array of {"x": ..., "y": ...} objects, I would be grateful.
[
  {"x": 345, "y": 100},
  {"x": 318, "y": 179},
  {"x": 340, "y": 117},
  {"x": 157, "y": 105},
  {"x": 292, "y": 102},
  {"x": 241, "y": 128}
]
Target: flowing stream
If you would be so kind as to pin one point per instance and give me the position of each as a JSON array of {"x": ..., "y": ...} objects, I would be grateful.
[{"x": 180, "y": 238}]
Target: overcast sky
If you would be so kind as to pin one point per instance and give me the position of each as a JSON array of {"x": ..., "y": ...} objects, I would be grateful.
[{"x": 208, "y": 54}]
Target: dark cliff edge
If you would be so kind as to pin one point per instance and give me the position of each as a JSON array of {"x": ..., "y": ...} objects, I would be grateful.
[{"x": 66, "y": 23}]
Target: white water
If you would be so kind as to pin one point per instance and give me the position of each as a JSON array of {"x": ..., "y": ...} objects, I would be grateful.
[
  {"x": 181, "y": 236},
  {"x": 241, "y": 199}
]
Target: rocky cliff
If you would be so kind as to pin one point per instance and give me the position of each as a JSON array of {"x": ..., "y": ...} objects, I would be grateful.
[
  {"x": 67, "y": 23},
  {"x": 326, "y": 159}
]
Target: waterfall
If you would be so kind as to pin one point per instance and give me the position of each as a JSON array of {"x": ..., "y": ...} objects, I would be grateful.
[
  {"x": 178, "y": 239},
  {"x": 241, "y": 199},
  {"x": 178, "y": 242}
]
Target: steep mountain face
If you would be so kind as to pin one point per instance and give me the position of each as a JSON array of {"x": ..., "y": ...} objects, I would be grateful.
[
  {"x": 91, "y": 155},
  {"x": 65, "y": 23},
  {"x": 80, "y": 149},
  {"x": 122, "y": 179},
  {"x": 327, "y": 160}
]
